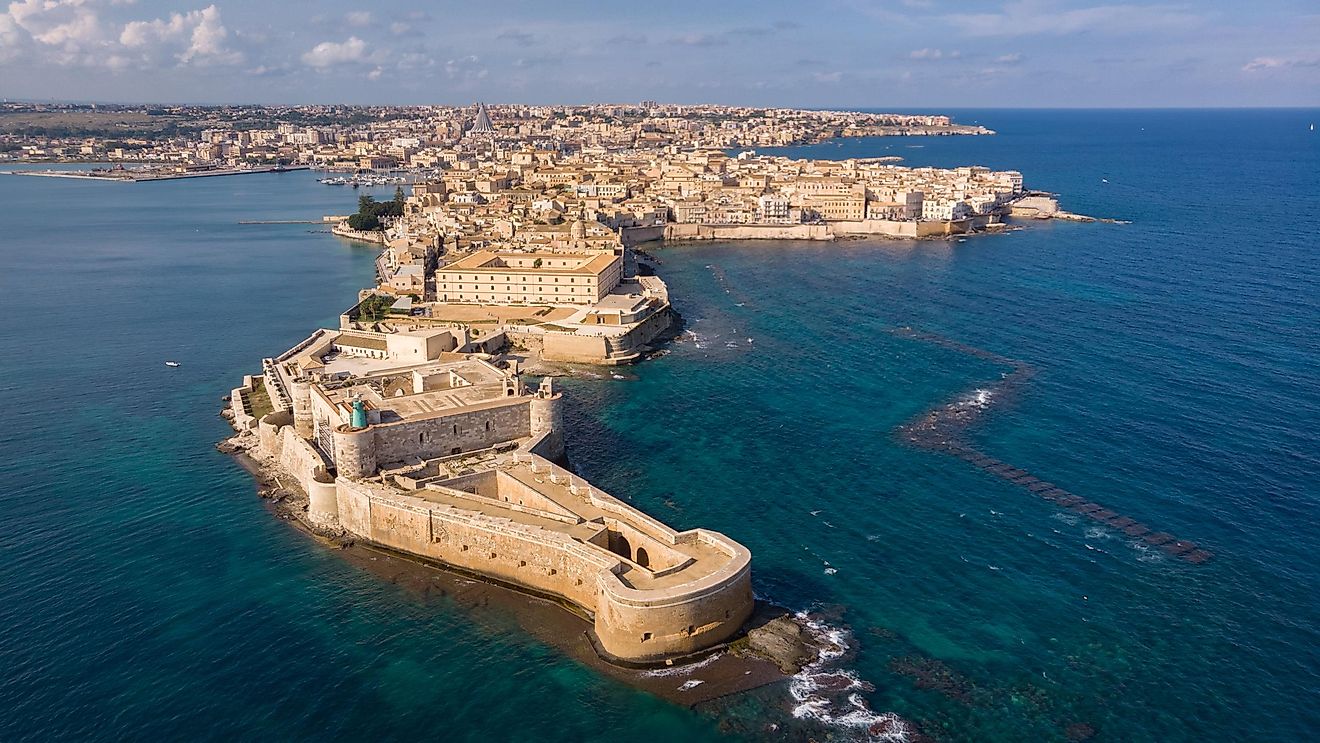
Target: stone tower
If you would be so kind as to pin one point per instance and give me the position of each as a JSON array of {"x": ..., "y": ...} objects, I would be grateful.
[
  {"x": 355, "y": 452},
  {"x": 301, "y": 390},
  {"x": 548, "y": 418}
]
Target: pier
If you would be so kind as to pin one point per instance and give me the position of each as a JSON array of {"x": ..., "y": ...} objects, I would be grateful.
[{"x": 132, "y": 176}]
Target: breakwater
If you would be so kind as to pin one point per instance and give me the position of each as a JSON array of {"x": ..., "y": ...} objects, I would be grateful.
[
  {"x": 944, "y": 429},
  {"x": 138, "y": 176}
]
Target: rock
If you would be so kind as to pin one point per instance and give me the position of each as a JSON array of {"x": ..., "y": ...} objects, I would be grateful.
[
  {"x": 227, "y": 414},
  {"x": 228, "y": 447},
  {"x": 780, "y": 641},
  {"x": 1079, "y": 731}
]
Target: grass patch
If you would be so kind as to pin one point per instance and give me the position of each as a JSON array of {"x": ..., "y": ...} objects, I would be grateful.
[{"x": 258, "y": 402}]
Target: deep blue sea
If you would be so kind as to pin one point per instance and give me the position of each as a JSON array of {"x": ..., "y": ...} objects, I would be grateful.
[{"x": 146, "y": 593}]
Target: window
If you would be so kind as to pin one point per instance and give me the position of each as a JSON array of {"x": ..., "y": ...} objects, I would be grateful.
[{"x": 646, "y": 636}]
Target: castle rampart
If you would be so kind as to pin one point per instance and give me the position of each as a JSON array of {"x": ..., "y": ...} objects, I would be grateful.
[{"x": 451, "y": 461}]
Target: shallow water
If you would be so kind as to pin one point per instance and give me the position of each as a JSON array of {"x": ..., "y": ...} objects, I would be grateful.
[{"x": 146, "y": 592}]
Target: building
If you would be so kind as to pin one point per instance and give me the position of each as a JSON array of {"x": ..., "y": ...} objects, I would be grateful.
[
  {"x": 481, "y": 126},
  {"x": 450, "y": 460},
  {"x": 530, "y": 278}
]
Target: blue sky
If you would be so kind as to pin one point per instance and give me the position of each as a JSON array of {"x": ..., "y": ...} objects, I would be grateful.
[{"x": 868, "y": 53}]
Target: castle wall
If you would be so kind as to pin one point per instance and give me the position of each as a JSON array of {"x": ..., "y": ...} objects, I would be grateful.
[
  {"x": 576, "y": 348},
  {"x": 632, "y": 236},
  {"x": 525, "y": 556},
  {"x": 650, "y": 625},
  {"x": 465, "y": 431},
  {"x": 630, "y": 624},
  {"x": 573, "y": 348},
  {"x": 825, "y": 231}
]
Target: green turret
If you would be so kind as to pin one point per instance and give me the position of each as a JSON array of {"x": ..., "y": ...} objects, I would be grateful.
[{"x": 359, "y": 415}]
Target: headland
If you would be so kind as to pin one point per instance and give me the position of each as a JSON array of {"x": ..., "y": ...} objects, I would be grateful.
[{"x": 412, "y": 428}]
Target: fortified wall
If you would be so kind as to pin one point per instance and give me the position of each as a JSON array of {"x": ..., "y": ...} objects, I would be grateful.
[
  {"x": 451, "y": 460},
  {"x": 832, "y": 230}
]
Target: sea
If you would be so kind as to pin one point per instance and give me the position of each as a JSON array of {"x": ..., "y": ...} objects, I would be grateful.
[{"x": 147, "y": 593}]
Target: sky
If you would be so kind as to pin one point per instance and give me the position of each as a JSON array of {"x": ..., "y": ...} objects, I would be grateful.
[{"x": 811, "y": 53}]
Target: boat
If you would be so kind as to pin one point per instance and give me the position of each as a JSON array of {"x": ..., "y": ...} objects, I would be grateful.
[{"x": 171, "y": 363}]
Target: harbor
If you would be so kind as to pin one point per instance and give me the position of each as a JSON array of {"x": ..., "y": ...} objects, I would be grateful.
[{"x": 138, "y": 175}]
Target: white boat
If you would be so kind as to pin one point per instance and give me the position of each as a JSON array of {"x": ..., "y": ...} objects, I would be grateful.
[{"x": 171, "y": 363}]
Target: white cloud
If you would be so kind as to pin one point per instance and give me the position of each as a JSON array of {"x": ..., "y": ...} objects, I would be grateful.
[
  {"x": 208, "y": 39},
  {"x": 827, "y": 77},
  {"x": 358, "y": 18},
  {"x": 67, "y": 28},
  {"x": 1032, "y": 17},
  {"x": 1260, "y": 64},
  {"x": 1013, "y": 58},
  {"x": 69, "y": 32},
  {"x": 465, "y": 68},
  {"x": 933, "y": 54},
  {"x": 198, "y": 36},
  {"x": 330, "y": 53}
]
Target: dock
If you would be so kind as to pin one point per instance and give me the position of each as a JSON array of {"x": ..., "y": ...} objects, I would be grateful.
[{"x": 130, "y": 176}]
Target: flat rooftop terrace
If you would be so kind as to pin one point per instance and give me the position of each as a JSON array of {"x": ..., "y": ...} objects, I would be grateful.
[{"x": 448, "y": 386}]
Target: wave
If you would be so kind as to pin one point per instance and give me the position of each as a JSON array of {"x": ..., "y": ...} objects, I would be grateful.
[
  {"x": 684, "y": 669},
  {"x": 832, "y": 696}
]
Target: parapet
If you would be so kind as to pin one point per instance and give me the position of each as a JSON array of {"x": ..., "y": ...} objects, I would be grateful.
[{"x": 653, "y": 593}]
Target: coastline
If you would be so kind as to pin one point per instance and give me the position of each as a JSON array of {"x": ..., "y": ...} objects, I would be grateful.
[{"x": 129, "y": 176}]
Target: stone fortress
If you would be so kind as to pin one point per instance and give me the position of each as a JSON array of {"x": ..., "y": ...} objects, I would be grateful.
[{"x": 416, "y": 442}]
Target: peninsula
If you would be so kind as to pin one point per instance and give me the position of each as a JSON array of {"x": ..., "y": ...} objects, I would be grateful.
[{"x": 411, "y": 425}]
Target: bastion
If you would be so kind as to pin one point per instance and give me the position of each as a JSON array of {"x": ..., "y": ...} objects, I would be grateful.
[{"x": 451, "y": 458}]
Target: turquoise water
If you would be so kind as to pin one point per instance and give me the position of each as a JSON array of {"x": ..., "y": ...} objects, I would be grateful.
[{"x": 146, "y": 592}]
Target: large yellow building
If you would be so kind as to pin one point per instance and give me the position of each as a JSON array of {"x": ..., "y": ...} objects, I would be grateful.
[{"x": 487, "y": 277}]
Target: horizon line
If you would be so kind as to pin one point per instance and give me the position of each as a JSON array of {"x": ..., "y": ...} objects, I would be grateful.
[{"x": 867, "y": 108}]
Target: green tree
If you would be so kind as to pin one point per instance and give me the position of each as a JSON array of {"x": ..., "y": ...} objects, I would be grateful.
[{"x": 364, "y": 222}]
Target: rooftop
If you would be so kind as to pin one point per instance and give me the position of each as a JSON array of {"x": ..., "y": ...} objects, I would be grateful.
[{"x": 575, "y": 263}]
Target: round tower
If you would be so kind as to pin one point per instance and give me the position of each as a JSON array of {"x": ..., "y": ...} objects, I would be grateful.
[
  {"x": 323, "y": 500},
  {"x": 547, "y": 413},
  {"x": 355, "y": 452},
  {"x": 301, "y": 390}
]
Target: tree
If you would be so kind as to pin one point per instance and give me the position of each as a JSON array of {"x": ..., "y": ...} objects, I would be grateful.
[
  {"x": 364, "y": 222},
  {"x": 398, "y": 196}
]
